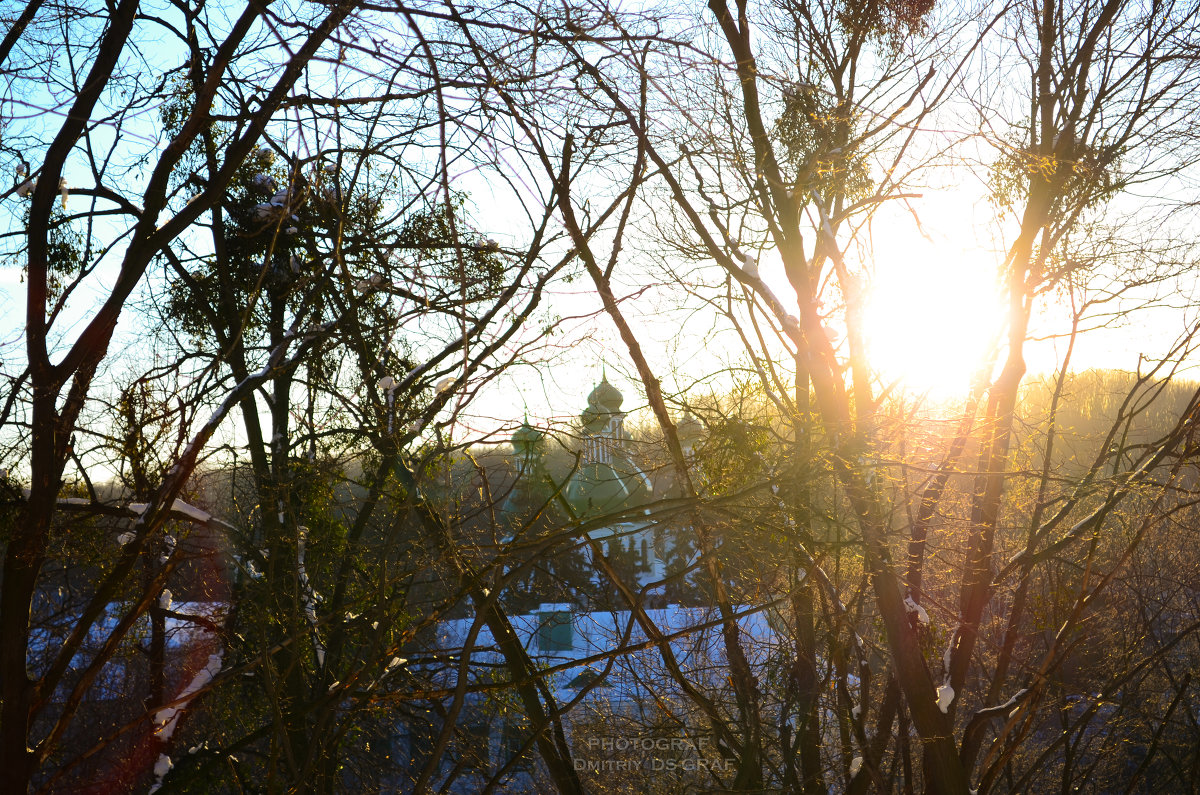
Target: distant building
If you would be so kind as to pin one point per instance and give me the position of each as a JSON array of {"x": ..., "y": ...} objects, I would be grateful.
[
  {"x": 606, "y": 481},
  {"x": 616, "y": 726},
  {"x": 613, "y": 700}
]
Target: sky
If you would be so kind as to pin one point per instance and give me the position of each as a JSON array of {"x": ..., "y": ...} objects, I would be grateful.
[{"x": 933, "y": 309}]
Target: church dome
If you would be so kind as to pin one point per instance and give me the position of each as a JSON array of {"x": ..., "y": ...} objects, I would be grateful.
[
  {"x": 606, "y": 397},
  {"x": 530, "y": 493},
  {"x": 527, "y": 441},
  {"x": 690, "y": 429},
  {"x": 526, "y": 434}
]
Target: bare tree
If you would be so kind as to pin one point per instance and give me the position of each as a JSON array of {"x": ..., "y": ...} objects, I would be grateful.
[
  {"x": 813, "y": 123},
  {"x": 307, "y": 236}
]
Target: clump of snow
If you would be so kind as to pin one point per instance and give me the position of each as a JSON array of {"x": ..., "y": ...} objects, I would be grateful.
[
  {"x": 1015, "y": 702},
  {"x": 913, "y": 607},
  {"x": 856, "y": 712},
  {"x": 266, "y": 211},
  {"x": 163, "y": 765},
  {"x": 949, "y": 651},
  {"x": 191, "y": 511},
  {"x": 179, "y": 506},
  {"x": 445, "y": 385},
  {"x": 161, "y": 768},
  {"x": 366, "y": 285},
  {"x": 750, "y": 265},
  {"x": 945, "y": 695},
  {"x": 855, "y": 766},
  {"x": 168, "y": 717},
  {"x": 169, "y": 545},
  {"x": 793, "y": 90},
  {"x": 164, "y": 599},
  {"x": 309, "y": 594},
  {"x": 265, "y": 183},
  {"x": 125, "y": 538}
]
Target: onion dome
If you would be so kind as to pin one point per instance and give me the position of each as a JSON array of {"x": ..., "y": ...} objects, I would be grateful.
[
  {"x": 606, "y": 398},
  {"x": 526, "y": 439},
  {"x": 530, "y": 493},
  {"x": 690, "y": 429}
]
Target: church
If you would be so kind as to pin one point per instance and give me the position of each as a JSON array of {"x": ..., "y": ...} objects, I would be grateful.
[
  {"x": 605, "y": 481},
  {"x": 570, "y": 496},
  {"x": 594, "y": 491}
]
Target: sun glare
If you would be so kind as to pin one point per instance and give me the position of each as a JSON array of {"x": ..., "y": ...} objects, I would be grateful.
[{"x": 931, "y": 317}]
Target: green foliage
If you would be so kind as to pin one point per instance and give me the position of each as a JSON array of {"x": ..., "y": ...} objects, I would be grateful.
[
  {"x": 731, "y": 457},
  {"x": 177, "y": 107},
  {"x": 177, "y": 103},
  {"x": 1090, "y": 177},
  {"x": 280, "y": 229},
  {"x": 142, "y": 432},
  {"x": 816, "y": 135},
  {"x": 440, "y": 233},
  {"x": 65, "y": 253},
  {"x": 888, "y": 21}
]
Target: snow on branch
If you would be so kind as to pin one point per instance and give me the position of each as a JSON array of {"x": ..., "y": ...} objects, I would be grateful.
[
  {"x": 310, "y": 596},
  {"x": 151, "y": 517},
  {"x": 179, "y": 510},
  {"x": 1007, "y": 707},
  {"x": 167, "y": 718}
]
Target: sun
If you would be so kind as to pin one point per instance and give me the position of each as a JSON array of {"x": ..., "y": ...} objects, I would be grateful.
[{"x": 931, "y": 317}]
